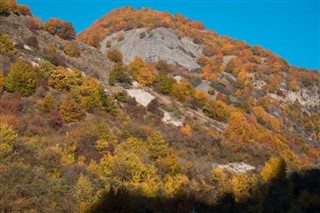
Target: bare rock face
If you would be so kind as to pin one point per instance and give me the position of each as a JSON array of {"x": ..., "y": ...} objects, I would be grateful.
[{"x": 157, "y": 44}]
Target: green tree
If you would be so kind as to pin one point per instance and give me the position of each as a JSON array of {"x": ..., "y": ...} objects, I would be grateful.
[
  {"x": 119, "y": 74},
  {"x": 21, "y": 78}
]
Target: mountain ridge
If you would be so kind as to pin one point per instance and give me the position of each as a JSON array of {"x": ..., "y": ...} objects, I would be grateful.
[{"x": 84, "y": 130}]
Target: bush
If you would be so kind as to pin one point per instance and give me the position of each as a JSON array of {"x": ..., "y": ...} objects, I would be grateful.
[
  {"x": 115, "y": 55},
  {"x": 118, "y": 74},
  {"x": 6, "y": 44},
  {"x": 64, "y": 30},
  {"x": 70, "y": 110},
  {"x": 72, "y": 49},
  {"x": 55, "y": 119},
  {"x": 10, "y": 103},
  {"x": 34, "y": 24},
  {"x": 32, "y": 41},
  {"x": 21, "y": 78},
  {"x": 7, "y": 6},
  {"x": 63, "y": 79}
]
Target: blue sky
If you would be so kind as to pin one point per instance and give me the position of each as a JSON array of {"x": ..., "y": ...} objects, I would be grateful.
[{"x": 288, "y": 28}]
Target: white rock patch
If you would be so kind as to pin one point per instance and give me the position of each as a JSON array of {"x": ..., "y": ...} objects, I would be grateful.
[
  {"x": 34, "y": 64},
  {"x": 26, "y": 47},
  {"x": 169, "y": 120},
  {"x": 235, "y": 167},
  {"x": 141, "y": 96}
]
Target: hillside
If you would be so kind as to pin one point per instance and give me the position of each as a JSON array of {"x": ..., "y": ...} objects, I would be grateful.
[{"x": 149, "y": 112}]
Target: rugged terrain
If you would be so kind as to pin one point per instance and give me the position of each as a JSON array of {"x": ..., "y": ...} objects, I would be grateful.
[{"x": 149, "y": 112}]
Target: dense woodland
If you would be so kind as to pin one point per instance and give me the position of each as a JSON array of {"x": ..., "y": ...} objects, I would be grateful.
[{"x": 70, "y": 142}]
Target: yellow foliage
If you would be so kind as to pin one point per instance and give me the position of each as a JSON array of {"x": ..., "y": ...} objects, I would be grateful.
[
  {"x": 141, "y": 72},
  {"x": 274, "y": 123},
  {"x": 243, "y": 185},
  {"x": 175, "y": 186},
  {"x": 182, "y": 91},
  {"x": 274, "y": 169},
  {"x": 238, "y": 127}
]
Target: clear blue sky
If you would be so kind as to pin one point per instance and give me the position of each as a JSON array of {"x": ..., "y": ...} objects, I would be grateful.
[{"x": 288, "y": 28}]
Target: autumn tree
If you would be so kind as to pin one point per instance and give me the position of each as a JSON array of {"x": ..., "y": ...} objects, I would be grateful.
[
  {"x": 243, "y": 186},
  {"x": 64, "y": 30},
  {"x": 207, "y": 73},
  {"x": 130, "y": 164},
  {"x": 70, "y": 110},
  {"x": 7, "y": 137},
  {"x": 142, "y": 72},
  {"x": 157, "y": 145},
  {"x": 238, "y": 127},
  {"x": 65, "y": 79},
  {"x": 21, "y": 78},
  {"x": 274, "y": 169},
  {"x": 182, "y": 91},
  {"x": 88, "y": 94},
  {"x": 84, "y": 192}
]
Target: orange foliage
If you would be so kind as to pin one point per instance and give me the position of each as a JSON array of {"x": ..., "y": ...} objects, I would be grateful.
[
  {"x": 186, "y": 130},
  {"x": 207, "y": 74}
]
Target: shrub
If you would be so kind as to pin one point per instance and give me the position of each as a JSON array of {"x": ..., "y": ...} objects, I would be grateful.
[
  {"x": 21, "y": 78},
  {"x": 55, "y": 119},
  {"x": 32, "y": 41},
  {"x": 34, "y": 24},
  {"x": 47, "y": 104},
  {"x": 10, "y": 103},
  {"x": 209, "y": 51},
  {"x": 72, "y": 49},
  {"x": 64, "y": 79},
  {"x": 153, "y": 107},
  {"x": 94, "y": 41},
  {"x": 7, "y": 137},
  {"x": 115, "y": 55},
  {"x": 70, "y": 110},
  {"x": 7, "y": 6},
  {"x": 64, "y": 30},
  {"x": 6, "y": 44},
  {"x": 182, "y": 91},
  {"x": 1, "y": 79},
  {"x": 164, "y": 83},
  {"x": 46, "y": 69},
  {"x": 118, "y": 74},
  {"x": 120, "y": 37}
]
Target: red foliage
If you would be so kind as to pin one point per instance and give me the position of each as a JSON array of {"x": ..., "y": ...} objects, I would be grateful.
[{"x": 10, "y": 103}]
